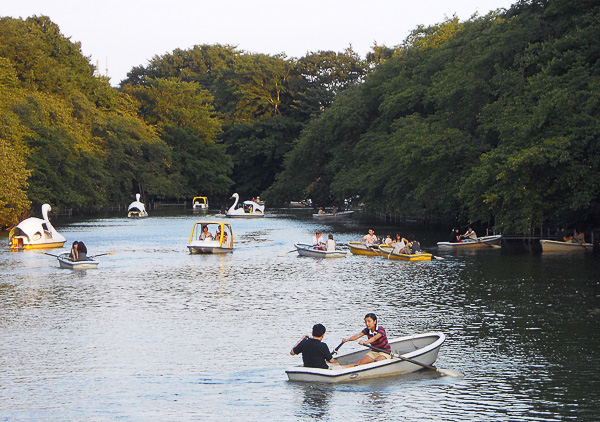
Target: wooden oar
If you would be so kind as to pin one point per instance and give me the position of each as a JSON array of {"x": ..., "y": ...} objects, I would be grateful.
[
  {"x": 102, "y": 254},
  {"x": 46, "y": 253},
  {"x": 442, "y": 372}
]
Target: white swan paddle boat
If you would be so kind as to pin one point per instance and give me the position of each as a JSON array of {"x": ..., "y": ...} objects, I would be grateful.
[
  {"x": 200, "y": 203},
  {"x": 559, "y": 246},
  {"x": 35, "y": 233},
  {"x": 250, "y": 209},
  {"x": 486, "y": 242},
  {"x": 358, "y": 248},
  {"x": 387, "y": 252},
  {"x": 333, "y": 215},
  {"x": 304, "y": 249},
  {"x": 422, "y": 348},
  {"x": 86, "y": 264},
  {"x": 137, "y": 209},
  {"x": 218, "y": 238}
]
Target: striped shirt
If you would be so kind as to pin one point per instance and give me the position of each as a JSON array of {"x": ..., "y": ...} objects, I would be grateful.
[{"x": 381, "y": 342}]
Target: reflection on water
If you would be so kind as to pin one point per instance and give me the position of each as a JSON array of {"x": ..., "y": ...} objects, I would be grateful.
[{"x": 158, "y": 334}]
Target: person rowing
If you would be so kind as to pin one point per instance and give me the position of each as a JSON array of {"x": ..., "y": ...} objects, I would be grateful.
[{"x": 376, "y": 337}]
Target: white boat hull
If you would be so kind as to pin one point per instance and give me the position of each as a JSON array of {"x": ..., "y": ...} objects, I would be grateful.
[
  {"x": 63, "y": 261},
  {"x": 307, "y": 250},
  {"x": 328, "y": 215},
  {"x": 423, "y": 348},
  {"x": 486, "y": 242},
  {"x": 204, "y": 247},
  {"x": 557, "y": 246}
]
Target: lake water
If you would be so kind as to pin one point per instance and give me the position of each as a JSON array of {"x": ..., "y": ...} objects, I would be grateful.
[{"x": 157, "y": 334}]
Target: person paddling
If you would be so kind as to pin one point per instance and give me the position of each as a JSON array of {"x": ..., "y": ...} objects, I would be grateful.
[
  {"x": 315, "y": 353},
  {"x": 376, "y": 337}
]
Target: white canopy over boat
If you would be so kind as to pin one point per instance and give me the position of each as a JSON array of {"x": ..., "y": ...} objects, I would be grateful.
[
  {"x": 422, "y": 348},
  {"x": 250, "y": 209},
  {"x": 35, "y": 233},
  {"x": 137, "y": 209}
]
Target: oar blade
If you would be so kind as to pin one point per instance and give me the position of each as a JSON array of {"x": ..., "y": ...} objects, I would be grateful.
[{"x": 450, "y": 373}]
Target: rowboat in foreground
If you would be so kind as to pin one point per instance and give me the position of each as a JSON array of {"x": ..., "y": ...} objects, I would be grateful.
[
  {"x": 358, "y": 248},
  {"x": 35, "y": 233},
  {"x": 557, "y": 246},
  {"x": 88, "y": 263},
  {"x": 333, "y": 215},
  {"x": 219, "y": 242},
  {"x": 485, "y": 242},
  {"x": 422, "y": 348},
  {"x": 308, "y": 250},
  {"x": 387, "y": 252}
]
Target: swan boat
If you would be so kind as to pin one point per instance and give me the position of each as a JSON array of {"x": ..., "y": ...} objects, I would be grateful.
[
  {"x": 304, "y": 249},
  {"x": 220, "y": 242},
  {"x": 35, "y": 233},
  {"x": 331, "y": 215},
  {"x": 137, "y": 209},
  {"x": 485, "y": 242},
  {"x": 88, "y": 263},
  {"x": 558, "y": 246},
  {"x": 250, "y": 209},
  {"x": 422, "y": 348},
  {"x": 387, "y": 251},
  {"x": 358, "y": 248},
  {"x": 200, "y": 203}
]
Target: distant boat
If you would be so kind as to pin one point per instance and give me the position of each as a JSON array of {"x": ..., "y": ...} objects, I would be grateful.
[
  {"x": 559, "y": 246},
  {"x": 35, "y": 233},
  {"x": 485, "y": 242},
  {"x": 332, "y": 215},
  {"x": 137, "y": 209},
  {"x": 250, "y": 209},
  {"x": 200, "y": 203}
]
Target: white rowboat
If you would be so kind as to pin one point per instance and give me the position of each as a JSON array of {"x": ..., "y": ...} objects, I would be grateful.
[
  {"x": 63, "y": 261},
  {"x": 485, "y": 242},
  {"x": 422, "y": 348},
  {"x": 558, "y": 246},
  {"x": 308, "y": 250},
  {"x": 330, "y": 215}
]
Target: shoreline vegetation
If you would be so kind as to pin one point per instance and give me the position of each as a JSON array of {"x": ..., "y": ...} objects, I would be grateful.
[{"x": 493, "y": 121}]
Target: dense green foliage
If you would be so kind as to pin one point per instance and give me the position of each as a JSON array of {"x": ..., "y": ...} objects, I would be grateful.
[
  {"x": 492, "y": 120},
  {"x": 495, "y": 119}
]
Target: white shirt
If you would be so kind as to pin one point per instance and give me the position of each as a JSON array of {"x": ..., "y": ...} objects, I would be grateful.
[{"x": 330, "y": 245}]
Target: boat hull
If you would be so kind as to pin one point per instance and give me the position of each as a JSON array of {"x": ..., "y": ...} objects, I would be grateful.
[
  {"x": 386, "y": 252},
  {"x": 307, "y": 250},
  {"x": 556, "y": 246},
  {"x": 202, "y": 249},
  {"x": 19, "y": 243},
  {"x": 357, "y": 248},
  {"x": 423, "y": 348},
  {"x": 246, "y": 215},
  {"x": 486, "y": 242},
  {"x": 328, "y": 216},
  {"x": 63, "y": 261}
]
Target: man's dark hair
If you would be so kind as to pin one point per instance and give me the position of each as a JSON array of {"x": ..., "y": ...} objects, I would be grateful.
[{"x": 318, "y": 330}]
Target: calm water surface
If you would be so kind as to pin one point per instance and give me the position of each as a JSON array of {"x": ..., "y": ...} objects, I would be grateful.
[{"x": 157, "y": 334}]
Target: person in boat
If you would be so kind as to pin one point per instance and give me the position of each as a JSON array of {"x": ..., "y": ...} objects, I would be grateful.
[
  {"x": 224, "y": 238},
  {"x": 205, "y": 235},
  {"x": 400, "y": 245},
  {"x": 388, "y": 239},
  {"x": 315, "y": 353},
  {"x": 561, "y": 235},
  {"x": 369, "y": 239},
  {"x": 376, "y": 337},
  {"x": 469, "y": 234},
  {"x": 334, "y": 210},
  {"x": 319, "y": 241},
  {"x": 81, "y": 251},
  {"x": 414, "y": 245},
  {"x": 454, "y": 236},
  {"x": 330, "y": 243},
  {"x": 579, "y": 237},
  {"x": 74, "y": 254},
  {"x": 321, "y": 211}
]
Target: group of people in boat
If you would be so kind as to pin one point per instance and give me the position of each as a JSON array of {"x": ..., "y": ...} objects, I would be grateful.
[
  {"x": 561, "y": 236},
  {"x": 316, "y": 354},
  {"x": 78, "y": 251},
  {"x": 321, "y": 244},
  {"x": 206, "y": 235},
  {"x": 456, "y": 237},
  {"x": 400, "y": 245}
]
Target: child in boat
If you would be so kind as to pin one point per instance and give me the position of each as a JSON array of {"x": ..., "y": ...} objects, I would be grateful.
[
  {"x": 315, "y": 353},
  {"x": 330, "y": 243},
  {"x": 376, "y": 338}
]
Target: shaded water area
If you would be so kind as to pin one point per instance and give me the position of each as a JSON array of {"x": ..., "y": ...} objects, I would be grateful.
[{"x": 157, "y": 334}]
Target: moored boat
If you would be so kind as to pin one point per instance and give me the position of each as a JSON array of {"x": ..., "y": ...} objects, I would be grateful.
[
  {"x": 387, "y": 252},
  {"x": 422, "y": 348},
  {"x": 485, "y": 242},
  {"x": 137, "y": 209},
  {"x": 200, "y": 203},
  {"x": 358, "y": 248},
  {"x": 35, "y": 233},
  {"x": 250, "y": 209},
  {"x": 332, "y": 215},
  {"x": 203, "y": 241},
  {"x": 88, "y": 263},
  {"x": 304, "y": 249},
  {"x": 558, "y": 246}
]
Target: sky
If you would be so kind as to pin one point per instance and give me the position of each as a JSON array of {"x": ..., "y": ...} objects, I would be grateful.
[{"x": 119, "y": 35}]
